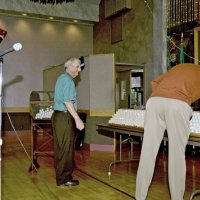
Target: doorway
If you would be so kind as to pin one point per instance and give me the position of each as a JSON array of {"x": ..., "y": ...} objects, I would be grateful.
[{"x": 129, "y": 85}]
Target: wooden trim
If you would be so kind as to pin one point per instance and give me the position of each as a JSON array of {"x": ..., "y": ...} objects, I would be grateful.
[
  {"x": 98, "y": 113},
  {"x": 102, "y": 113},
  {"x": 93, "y": 113},
  {"x": 15, "y": 109},
  {"x": 99, "y": 147}
]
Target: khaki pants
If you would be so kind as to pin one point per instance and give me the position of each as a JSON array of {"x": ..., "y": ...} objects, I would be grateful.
[
  {"x": 171, "y": 115},
  {"x": 64, "y": 134}
]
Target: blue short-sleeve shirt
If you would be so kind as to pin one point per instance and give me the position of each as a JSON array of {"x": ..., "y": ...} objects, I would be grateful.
[{"x": 64, "y": 91}]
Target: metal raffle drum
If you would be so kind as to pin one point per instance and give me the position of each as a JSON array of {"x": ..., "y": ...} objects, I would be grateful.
[
  {"x": 41, "y": 110},
  {"x": 41, "y": 104}
]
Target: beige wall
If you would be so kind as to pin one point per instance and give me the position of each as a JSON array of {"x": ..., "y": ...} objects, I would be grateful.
[{"x": 44, "y": 44}]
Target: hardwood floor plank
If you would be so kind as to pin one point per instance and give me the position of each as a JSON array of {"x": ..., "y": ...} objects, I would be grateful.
[{"x": 92, "y": 172}]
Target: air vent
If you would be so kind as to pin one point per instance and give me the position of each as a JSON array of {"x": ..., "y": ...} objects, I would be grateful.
[{"x": 114, "y": 7}]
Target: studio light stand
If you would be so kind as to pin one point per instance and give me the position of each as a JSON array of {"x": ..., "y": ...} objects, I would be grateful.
[
  {"x": 1, "y": 67},
  {"x": 1, "y": 141},
  {"x": 15, "y": 47}
]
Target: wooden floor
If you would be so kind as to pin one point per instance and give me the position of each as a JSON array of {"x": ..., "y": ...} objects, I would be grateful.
[{"x": 92, "y": 172}]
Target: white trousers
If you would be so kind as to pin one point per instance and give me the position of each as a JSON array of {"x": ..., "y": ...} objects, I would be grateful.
[{"x": 164, "y": 114}]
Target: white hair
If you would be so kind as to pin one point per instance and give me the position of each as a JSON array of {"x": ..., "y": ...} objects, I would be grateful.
[{"x": 72, "y": 62}]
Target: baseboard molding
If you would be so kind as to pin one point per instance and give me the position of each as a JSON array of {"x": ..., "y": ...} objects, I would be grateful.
[{"x": 98, "y": 147}]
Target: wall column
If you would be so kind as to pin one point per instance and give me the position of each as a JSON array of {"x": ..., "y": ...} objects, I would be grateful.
[{"x": 159, "y": 37}]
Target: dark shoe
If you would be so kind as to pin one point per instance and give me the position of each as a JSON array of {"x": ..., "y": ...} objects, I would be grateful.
[{"x": 71, "y": 183}]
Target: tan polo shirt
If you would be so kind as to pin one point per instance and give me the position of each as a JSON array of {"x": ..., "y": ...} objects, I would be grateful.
[{"x": 181, "y": 82}]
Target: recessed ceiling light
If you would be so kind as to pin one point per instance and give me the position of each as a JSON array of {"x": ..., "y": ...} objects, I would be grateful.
[
  {"x": 51, "y": 18},
  {"x": 24, "y": 14},
  {"x": 75, "y": 21}
]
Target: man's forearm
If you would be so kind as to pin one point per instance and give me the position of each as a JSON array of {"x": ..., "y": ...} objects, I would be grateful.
[
  {"x": 71, "y": 109},
  {"x": 73, "y": 112}
]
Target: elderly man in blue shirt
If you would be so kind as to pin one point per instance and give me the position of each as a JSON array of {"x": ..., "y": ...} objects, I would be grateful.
[{"x": 65, "y": 120}]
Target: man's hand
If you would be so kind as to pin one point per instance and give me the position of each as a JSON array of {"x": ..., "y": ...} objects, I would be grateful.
[{"x": 79, "y": 124}]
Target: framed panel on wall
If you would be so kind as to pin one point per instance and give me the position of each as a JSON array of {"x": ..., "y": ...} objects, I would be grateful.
[{"x": 116, "y": 29}]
